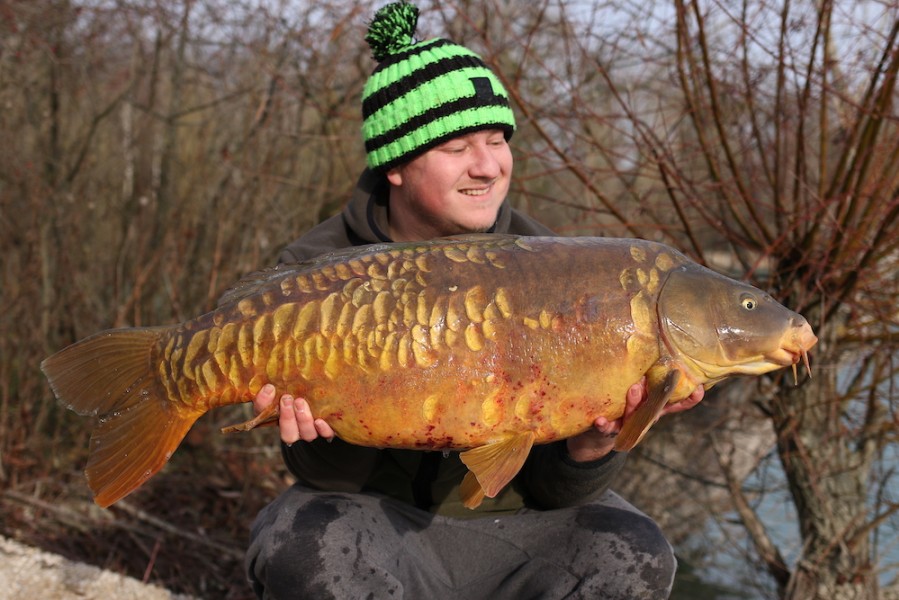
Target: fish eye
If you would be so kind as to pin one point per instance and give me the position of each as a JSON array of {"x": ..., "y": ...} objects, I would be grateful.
[{"x": 749, "y": 302}]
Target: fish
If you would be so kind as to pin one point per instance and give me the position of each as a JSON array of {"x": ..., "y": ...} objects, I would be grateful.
[{"x": 483, "y": 344}]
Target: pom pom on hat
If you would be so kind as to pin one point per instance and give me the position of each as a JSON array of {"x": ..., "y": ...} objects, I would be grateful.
[
  {"x": 422, "y": 94},
  {"x": 392, "y": 29}
]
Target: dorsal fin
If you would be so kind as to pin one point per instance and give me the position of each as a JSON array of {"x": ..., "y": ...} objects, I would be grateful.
[
  {"x": 252, "y": 282},
  {"x": 257, "y": 281}
]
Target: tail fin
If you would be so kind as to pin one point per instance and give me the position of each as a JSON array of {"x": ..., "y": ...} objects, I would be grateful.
[{"x": 111, "y": 375}]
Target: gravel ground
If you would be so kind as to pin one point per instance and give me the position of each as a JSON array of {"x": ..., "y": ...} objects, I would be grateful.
[{"x": 26, "y": 572}]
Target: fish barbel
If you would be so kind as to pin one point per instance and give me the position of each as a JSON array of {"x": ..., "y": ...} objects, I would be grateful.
[{"x": 484, "y": 344}]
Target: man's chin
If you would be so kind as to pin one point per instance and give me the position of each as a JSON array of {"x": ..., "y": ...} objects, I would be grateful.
[{"x": 476, "y": 229}]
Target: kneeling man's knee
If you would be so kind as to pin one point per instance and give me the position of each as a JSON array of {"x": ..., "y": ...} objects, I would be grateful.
[{"x": 637, "y": 545}]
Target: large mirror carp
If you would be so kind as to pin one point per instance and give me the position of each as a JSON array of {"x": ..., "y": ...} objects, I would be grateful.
[{"x": 484, "y": 344}]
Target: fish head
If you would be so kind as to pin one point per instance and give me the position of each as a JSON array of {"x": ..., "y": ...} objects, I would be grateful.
[{"x": 717, "y": 326}]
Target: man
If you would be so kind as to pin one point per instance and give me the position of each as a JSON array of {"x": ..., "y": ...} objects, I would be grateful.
[{"x": 363, "y": 522}]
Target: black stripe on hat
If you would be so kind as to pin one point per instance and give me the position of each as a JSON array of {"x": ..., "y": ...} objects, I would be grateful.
[
  {"x": 425, "y": 74},
  {"x": 411, "y": 51},
  {"x": 433, "y": 114}
]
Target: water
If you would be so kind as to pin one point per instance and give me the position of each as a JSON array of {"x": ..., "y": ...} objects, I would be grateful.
[
  {"x": 721, "y": 564},
  {"x": 691, "y": 585}
]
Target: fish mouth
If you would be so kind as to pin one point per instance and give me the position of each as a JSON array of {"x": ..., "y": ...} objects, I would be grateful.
[
  {"x": 785, "y": 357},
  {"x": 790, "y": 351},
  {"x": 794, "y": 348}
]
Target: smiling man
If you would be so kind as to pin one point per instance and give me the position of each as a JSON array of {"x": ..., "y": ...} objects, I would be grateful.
[
  {"x": 363, "y": 522},
  {"x": 458, "y": 187}
]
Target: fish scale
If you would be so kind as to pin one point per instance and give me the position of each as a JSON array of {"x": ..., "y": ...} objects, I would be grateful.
[
  {"x": 353, "y": 325},
  {"x": 482, "y": 344}
]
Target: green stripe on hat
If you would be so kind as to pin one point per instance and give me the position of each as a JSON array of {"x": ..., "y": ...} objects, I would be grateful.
[{"x": 402, "y": 148}]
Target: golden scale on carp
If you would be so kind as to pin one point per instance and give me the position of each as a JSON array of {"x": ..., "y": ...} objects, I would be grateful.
[{"x": 483, "y": 344}]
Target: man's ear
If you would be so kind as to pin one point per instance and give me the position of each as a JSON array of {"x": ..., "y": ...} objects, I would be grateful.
[{"x": 395, "y": 176}]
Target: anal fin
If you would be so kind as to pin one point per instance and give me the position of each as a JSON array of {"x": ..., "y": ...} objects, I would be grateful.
[
  {"x": 637, "y": 424},
  {"x": 266, "y": 417},
  {"x": 493, "y": 466}
]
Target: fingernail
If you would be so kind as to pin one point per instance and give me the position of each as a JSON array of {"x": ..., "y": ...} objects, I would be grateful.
[
  {"x": 286, "y": 400},
  {"x": 268, "y": 388}
]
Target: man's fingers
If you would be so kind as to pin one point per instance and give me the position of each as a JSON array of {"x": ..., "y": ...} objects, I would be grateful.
[
  {"x": 635, "y": 395},
  {"x": 697, "y": 395},
  {"x": 687, "y": 403},
  {"x": 264, "y": 397},
  {"x": 324, "y": 430},
  {"x": 304, "y": 421},
  {"x": 297, "y": 424},
  {"x": 606, "y": 427},
  {"x": 287, "y": 422}
]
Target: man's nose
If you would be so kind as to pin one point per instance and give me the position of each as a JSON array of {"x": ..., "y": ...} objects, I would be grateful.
[{"x": 483, "y": 163}]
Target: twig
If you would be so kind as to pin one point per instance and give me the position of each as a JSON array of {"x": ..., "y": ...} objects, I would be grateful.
[
  {"x": 65, "y": 515},
  {"x": 83, "y": 521},
  {"x": 152, "y": 561},
  {"x": 175, "y": 530},
  {"x": 763, "y": 543}
]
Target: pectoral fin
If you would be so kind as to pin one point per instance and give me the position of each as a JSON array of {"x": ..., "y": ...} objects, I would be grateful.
[
  {"x": 493, "y": 466},
  {"x": 636, "y": 425}
]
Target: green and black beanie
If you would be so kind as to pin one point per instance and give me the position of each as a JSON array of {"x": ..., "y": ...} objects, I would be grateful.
[{"x": 423, "y": 94}]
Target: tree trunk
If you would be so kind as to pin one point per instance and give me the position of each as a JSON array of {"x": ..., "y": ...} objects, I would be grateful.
[{"x": 827, "y": 471}]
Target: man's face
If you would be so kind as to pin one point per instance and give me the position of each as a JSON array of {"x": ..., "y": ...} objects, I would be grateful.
[{"x": 454, "y": 188}]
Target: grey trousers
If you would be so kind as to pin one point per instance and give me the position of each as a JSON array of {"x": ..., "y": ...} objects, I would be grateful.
[{"x": 319, "y": 545}]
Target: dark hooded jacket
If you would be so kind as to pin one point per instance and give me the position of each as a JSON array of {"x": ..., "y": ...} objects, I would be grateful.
[{"x": 430, "y": 480}]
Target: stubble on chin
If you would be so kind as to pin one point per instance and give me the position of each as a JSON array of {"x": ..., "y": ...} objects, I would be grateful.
[{"x": 448, "y": 228}]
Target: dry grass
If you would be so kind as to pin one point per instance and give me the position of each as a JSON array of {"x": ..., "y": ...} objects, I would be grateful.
[{"x": 181, "y": 531}]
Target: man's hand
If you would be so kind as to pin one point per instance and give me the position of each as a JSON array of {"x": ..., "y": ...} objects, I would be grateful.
[
  {"x": 599, "y": 441},
  {"x": 295, "y": 419}
]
